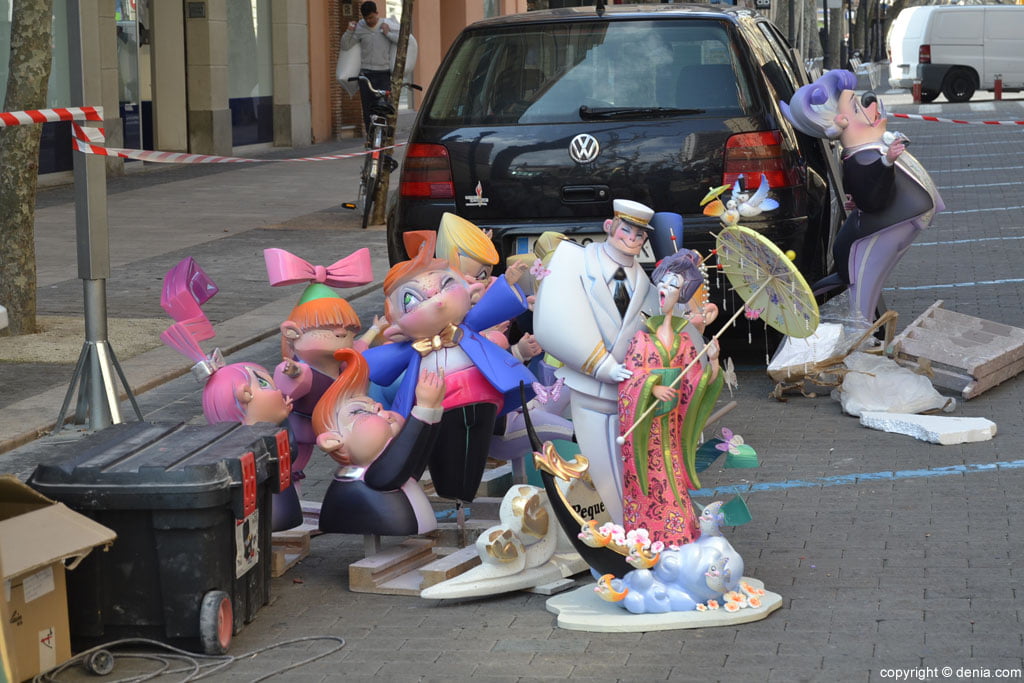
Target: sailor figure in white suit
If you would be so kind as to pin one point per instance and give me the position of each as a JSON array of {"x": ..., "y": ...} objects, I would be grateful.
[{"x": 587, "y": 310}]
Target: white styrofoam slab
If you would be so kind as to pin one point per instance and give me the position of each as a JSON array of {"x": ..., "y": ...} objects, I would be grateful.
[{"x": 938, "y": 429}]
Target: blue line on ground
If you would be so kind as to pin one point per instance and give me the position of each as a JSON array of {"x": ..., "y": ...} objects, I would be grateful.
[
  {"x": 955, "y": 284},
  {"x": 991, "y": 208},
  {"x": 846, "y": 479},
  {"x": 965, "y": 241},
  {"x": 975, "y": 170}
]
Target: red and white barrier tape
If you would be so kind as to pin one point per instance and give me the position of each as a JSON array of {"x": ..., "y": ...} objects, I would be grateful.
[
  {"x": 936, "y": 119},
  {"x": 86, "y": 146},
  {"x": 90, "y": 140},
  {"x": 20, "y": 118}
]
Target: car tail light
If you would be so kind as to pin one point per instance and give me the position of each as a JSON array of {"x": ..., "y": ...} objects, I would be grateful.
[
  {"x": 756, "y": 155},
  {"x": 427, "y": 173},
  {"x": 924, "y": 54}
]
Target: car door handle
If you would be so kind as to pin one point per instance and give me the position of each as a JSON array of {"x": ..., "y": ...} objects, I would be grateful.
[{"x": 585, "y": 193}]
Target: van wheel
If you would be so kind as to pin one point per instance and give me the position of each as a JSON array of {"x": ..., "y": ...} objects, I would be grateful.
[
  {"x": 958, "y": 85},
  {"x": 929, "y": 95}
]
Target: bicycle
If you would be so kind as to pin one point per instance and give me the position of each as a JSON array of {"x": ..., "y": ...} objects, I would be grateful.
[{"x": 378, "y": 161}]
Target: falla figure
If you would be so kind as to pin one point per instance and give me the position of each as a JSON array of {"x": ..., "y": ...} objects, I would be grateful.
[
  {"x": 381, "y": 454},
  {"x": 320, "y": 324},
  {"x": 434, "y": 325},
  {"x": 238, "y": 392},
  {"x": 892, "y": 197}
]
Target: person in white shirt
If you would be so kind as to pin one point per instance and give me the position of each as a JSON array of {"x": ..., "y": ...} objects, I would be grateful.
[{"x": 375, "y": 38}]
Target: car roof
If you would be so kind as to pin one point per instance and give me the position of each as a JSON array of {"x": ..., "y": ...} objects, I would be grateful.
[{"x": 617, "y": 12}]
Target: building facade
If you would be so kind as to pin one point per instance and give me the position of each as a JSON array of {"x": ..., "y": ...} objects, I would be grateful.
[{"x": 217, "y": 76}]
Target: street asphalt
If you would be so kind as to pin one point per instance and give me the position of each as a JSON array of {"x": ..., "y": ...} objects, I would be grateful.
[{"x": 894, "y": 557}]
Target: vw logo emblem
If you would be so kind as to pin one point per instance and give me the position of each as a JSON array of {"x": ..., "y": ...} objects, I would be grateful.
[{"x": 584, "y": 148}]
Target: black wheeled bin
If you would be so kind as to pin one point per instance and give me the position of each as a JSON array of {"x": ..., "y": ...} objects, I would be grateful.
[{"x": 191, "y": 508}]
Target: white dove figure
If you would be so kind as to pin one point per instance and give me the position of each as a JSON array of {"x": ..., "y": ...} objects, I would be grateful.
[{"x": 748, "y": 205}]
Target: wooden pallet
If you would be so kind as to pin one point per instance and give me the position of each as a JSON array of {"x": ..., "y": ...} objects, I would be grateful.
[
  {"x": 291, "y": 546},
  {"x": 965, "y": 354}
]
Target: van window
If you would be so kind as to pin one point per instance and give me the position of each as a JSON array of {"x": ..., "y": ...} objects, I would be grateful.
[{"x": 545, "y": 73}]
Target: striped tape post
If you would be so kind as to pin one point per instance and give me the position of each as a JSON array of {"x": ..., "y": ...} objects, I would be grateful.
[{"x": 936, "y": 119}]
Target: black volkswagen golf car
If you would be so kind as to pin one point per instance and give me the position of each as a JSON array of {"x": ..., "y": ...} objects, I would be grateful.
[{"x": 538, "y": 121}]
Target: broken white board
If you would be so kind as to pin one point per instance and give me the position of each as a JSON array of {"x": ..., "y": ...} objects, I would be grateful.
[{"x": 938, "y": 429}]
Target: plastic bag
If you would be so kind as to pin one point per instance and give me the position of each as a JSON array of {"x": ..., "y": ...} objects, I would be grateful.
[{"x": 877, "y": 383}]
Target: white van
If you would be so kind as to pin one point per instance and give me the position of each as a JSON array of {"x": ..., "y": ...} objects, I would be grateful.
[{"x": 956, "y": 50}]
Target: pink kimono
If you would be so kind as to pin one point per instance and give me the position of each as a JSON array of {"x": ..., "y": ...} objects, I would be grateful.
[{"x": 655, "y": 488}]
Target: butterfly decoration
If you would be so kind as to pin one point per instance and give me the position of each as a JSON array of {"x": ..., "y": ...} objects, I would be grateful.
[
  {"x": 549, "y": 394},
  {"x": 752, "y": 313},
  {"x": 730, "y": 376},
  {"x": 731, "y": 442},
  {"x": 538, "y": 270}
]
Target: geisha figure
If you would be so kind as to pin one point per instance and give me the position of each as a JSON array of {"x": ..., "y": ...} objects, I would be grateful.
[
  {"x": 322, "y": 323},
  {"x": 381, "y": 453},
  {"x": 655, "y": 454}
]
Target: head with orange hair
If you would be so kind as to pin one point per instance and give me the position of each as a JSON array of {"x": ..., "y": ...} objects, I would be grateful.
[
  {"x": 319, "y": 325},
  {"x": 424, "y": 295},
  {"x": 351, "y": 426}
]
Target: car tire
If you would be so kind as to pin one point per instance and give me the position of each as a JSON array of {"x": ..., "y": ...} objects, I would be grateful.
[
  {"x": 929, "y": 95},
  {"x": 958, "y": 86}
]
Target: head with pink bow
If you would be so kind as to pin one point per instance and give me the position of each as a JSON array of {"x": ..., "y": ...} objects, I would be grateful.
[
  {"x": 239, "y": 392},
  {"x": 322, "y": 322}
]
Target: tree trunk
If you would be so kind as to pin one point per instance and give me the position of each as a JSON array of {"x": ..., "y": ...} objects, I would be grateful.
[
  {"x": 397, "y": 81},
  {"x": 812, "y": 39},
  {"x": 836, "y": 29},
  {"x": 31, "y": 26}
]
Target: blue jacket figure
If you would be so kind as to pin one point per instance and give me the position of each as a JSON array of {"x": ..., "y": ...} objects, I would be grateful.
[{"x": 434, "y": 327}]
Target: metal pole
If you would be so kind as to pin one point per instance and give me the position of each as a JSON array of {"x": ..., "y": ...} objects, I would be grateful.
[{"x": 97, "y": 391}]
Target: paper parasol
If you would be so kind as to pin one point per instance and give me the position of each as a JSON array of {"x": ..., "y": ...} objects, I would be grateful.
[{"x": 767, "y": 281}]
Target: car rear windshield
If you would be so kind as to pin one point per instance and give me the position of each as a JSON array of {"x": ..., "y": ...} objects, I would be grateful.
[{"x": 545, "y": 73}]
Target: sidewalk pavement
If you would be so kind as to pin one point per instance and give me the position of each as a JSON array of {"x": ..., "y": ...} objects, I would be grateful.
[{"x": 889, "y": 553}]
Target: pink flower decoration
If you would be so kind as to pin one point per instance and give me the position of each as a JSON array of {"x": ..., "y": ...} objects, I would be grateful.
[{"x": 538, "y": 270}]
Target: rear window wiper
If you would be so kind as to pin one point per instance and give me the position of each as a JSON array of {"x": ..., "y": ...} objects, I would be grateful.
[{"x": 634, "y": 112}]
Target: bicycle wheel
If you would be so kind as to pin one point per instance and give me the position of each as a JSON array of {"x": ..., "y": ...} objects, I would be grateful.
[{"x": 371, "y": 173}]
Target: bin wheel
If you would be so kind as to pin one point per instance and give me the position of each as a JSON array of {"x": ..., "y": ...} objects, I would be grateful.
[
  {"x": 100, "y": 662},
  {"x": 216, "y": 622}
]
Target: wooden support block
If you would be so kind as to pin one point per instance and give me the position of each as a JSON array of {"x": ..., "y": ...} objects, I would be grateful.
[
  {"x": 371, "y": 574},
  {"x": 448, "y": 566},
  {"x": 288, "y": 549}
]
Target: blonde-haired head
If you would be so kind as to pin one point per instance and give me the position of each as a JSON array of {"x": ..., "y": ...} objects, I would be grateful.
[{"x": 458, "y": 237}]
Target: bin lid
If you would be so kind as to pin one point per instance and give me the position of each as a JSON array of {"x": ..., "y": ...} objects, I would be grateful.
[
  {"x": 36, "y": 531},
  {"x": 152, "y": 465}
]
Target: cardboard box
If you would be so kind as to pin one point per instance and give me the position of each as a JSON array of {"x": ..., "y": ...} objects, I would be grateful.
[{"x": 38, "y": 539}]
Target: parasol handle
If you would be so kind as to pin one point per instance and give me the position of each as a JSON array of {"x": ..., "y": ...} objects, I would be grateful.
[{"x": 636, "y": 423}]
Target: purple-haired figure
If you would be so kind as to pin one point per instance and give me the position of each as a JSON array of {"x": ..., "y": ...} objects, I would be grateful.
[{"x": 893, "y": 197}]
